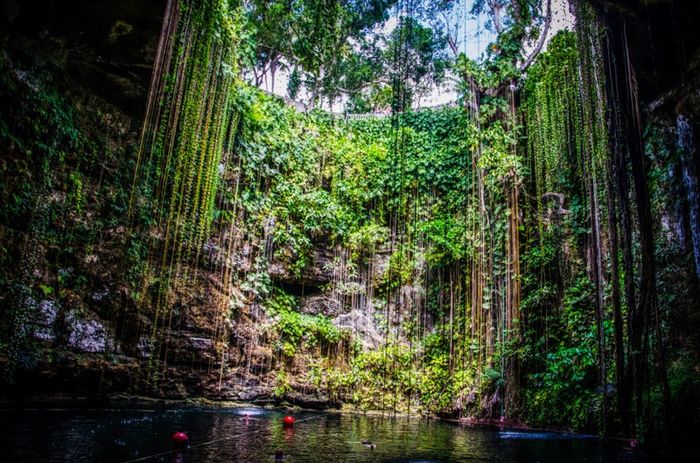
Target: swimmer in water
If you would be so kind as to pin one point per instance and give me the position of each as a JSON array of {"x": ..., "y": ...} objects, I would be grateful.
[
  {"x": 279, "y": 455},
  {"x": 369, "y": 444}
]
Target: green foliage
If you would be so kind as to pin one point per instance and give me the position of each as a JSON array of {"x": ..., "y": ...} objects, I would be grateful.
[
  {"x": 307, "y": 178},
  {"x": 296, "y": 330},
  {"x": 338, "y": 48},
  {"x": 182, "y": 160},
  {"x": 65, "y": 178},
  {"x": 188, "y": 130},
  {"x": 552, "y": 102},
  {"x": 437, "y": 385},
  {"x": 384, "y": 378},
  {"x": 426, "y": 190},
  {"x": 366, "y": 239},
  {"x": 562, "y": 392},
  {"x": 282, "y": 387},
  {"x": 76, "y": 195}
]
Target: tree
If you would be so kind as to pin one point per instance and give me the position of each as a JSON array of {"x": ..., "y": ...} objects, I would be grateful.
[
  {"x": 273, "y": 22},
  {"x": 335, "y": 48},
  {"x": 416, "y": 59},
  {"x": 313, "y": 37}
]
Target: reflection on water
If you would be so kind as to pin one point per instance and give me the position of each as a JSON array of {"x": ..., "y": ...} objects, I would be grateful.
[
  {"x": 541, "y": 435},
  {"x": 254, "y": 434},
  {"x": 248, "y": 411}
]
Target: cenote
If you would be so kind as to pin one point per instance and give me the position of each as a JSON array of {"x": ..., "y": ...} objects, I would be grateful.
[
  {"x": 458, "y": 211},
  {"x": 254, "y": 434}
]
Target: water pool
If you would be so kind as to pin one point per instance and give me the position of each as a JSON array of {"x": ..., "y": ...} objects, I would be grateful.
[{"x": 253, "y": 434}]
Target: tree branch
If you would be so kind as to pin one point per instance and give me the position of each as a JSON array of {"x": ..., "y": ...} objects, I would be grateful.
[
  {"x": 361, "y": 87},
  {"x": 543, "y": 38}
]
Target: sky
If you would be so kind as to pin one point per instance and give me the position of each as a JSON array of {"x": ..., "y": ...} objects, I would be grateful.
[{"x": 473, "y": 37}]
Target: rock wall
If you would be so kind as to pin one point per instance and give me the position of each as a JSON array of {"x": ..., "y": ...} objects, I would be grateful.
[{"x": 72, "y": 278}]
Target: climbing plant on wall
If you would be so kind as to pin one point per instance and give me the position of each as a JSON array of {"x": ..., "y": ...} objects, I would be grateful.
[{"x": 189, "y": 127}]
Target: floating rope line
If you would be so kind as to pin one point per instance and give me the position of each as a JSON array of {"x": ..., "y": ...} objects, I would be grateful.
[{"x": 214, "y": 441}]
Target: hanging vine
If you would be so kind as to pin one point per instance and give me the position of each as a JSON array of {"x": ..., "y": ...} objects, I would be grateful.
[{"x": 190, "y": 122}]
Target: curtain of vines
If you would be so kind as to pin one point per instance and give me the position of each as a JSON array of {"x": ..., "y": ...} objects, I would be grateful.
[
  {"x": 492, "y": 241},
  {"x": 188, "y": 130},
  {"x": 564, "y": 111}
]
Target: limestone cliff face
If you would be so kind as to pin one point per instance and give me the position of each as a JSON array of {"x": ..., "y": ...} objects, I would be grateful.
[
  {"x": 663, "y": 45},
  {"x": 89, "y": 66},
  {"x": 74, "y": 82},
  {"x": 74, "y": 279},
  {"x": 105, "y": 47}
]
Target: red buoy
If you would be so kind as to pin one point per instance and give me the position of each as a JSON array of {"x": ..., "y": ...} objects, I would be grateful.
[
  {"x": 288, "y": 421},
  {"x": 180, "y": 439}
]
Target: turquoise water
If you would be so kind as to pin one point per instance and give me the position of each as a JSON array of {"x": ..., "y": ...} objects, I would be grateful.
[{"x": 253, "y": 435}]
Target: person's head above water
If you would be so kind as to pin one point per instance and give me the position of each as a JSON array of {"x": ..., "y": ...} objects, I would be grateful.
[{"x": 279, "y": 455}]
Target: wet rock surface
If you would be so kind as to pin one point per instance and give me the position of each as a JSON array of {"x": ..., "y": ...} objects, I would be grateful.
[
  {"x": 321, "y": 304},
  {"x": 108, "y": 47},
  {"x": 48, "y": 313},
  {"x": 363, "y": 327},
  {"x": 88, "y": 335}
]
